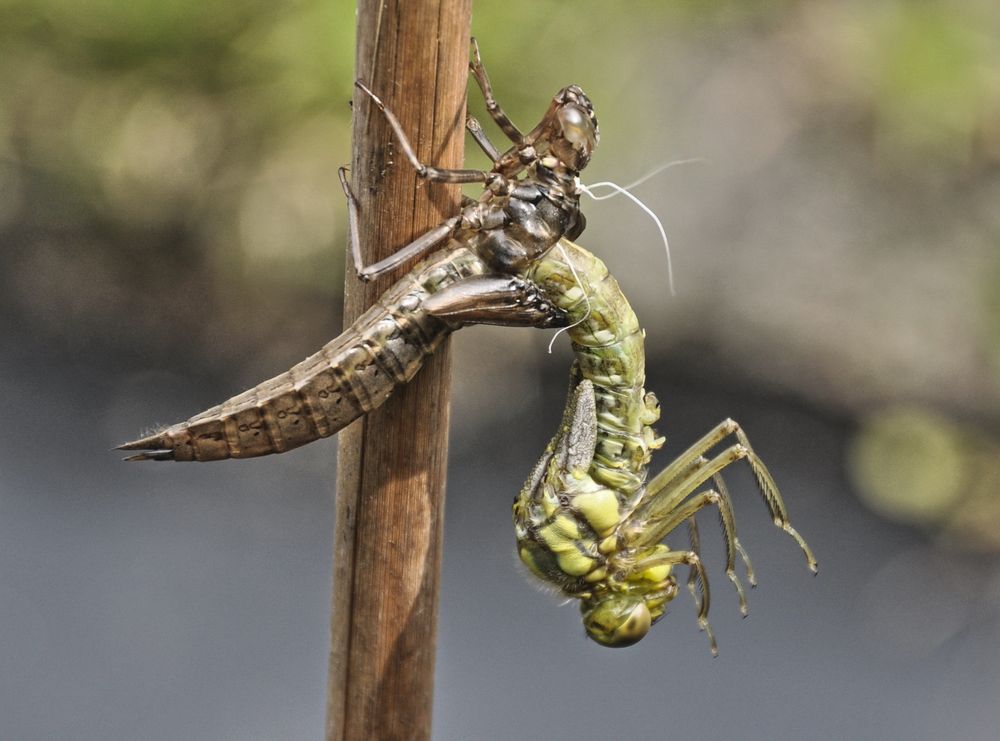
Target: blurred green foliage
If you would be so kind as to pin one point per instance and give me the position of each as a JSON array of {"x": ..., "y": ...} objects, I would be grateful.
[
  {"x": 921, "y": 468},
  {"x": 938, "y": 79},
  {"x": 151, "y": 114}
]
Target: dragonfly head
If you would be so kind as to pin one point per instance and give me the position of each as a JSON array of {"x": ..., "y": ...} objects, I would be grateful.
[
  {"x": 571, "y": 128},
  {"x": 617, "y": 620}
]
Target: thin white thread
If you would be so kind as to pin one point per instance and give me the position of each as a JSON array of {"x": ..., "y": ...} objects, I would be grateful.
[
  {"x": 625, "y": 191},
  {"x": 585, "y": 297},
  {"x": 644, "y": 207},
  {"x": 656, "y": 171}
]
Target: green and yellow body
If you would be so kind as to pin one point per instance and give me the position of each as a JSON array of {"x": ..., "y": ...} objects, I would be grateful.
[{"x": 567, "y": 516}]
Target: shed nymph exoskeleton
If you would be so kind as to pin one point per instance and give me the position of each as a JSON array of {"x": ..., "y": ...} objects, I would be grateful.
[{"x": 529, "y": 202}]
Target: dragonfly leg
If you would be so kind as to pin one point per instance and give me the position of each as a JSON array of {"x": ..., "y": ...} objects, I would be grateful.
[
  {"x": 698, "y": 576},
  {"x": 419, "y": 247},
  {"x": 694, "y": 539},
  {"x": 653, "y": 523},
  {"x": 433, "y": 174},
  {"x": 664, "y": 487},
  {"x": 687, "y": 472},
  {"x": 505, "y": 300},
  {"x": 496, "y": 112},
  {"x": 475, "y": 128}
]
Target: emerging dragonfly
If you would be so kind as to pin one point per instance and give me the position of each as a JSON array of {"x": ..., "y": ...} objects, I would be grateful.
[{"x": 586, "y": 521}]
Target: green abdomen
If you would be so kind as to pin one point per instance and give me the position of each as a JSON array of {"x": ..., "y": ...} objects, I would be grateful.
[{"x": 608, "y": 344}]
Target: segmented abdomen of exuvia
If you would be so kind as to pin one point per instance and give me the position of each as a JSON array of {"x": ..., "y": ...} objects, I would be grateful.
[
  {"x": 608, "y": 344},
  {"x": 350, "y": 376}
]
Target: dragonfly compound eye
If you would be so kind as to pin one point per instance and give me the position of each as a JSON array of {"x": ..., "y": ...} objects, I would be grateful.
[
  {"x": 577, "y": 128},
  {"x": 617, "y": 621}
]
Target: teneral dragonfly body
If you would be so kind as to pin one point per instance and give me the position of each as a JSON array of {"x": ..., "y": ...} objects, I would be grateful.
[{"x": 587, "y": 521}]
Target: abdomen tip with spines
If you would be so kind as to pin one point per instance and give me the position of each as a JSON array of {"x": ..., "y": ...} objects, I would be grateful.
[{"x": 156, "y": 447}]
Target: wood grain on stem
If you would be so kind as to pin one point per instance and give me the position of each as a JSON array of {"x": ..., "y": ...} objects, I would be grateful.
[{"x": 391, "y": 467}]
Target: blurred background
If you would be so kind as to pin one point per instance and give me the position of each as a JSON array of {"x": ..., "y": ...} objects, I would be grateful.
[{"x": 172, "y": 231}]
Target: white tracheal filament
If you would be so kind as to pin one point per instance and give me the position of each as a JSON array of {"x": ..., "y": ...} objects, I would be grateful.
[
  {"x": 586, "y": 298},
  {"x": 626, "y": 191}
]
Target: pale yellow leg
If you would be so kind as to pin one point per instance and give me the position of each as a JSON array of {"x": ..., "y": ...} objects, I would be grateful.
[
  {"x": 695, "y": 540},
  {"x": 686, "y": 473},
  {"x": 640, "y": 527},
  {"x": 691, "y": 560},
  {"x": 687, "y": 511},
  {"x": 727, "y": 501}
]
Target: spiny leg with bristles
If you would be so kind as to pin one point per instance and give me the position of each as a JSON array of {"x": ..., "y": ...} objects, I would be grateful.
[
  {"x": 686, "y": 473},
  {"x": 697, "y": 574},
  {"x": 655, "y": 516},
  {"x": 694, "y": 539},
  {"x": 727, "y": 500},
  {"x": 671, "y": 499}
]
